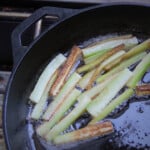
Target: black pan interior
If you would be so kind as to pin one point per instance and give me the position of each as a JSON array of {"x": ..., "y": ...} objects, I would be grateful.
[{"x": 121, "y": 19}]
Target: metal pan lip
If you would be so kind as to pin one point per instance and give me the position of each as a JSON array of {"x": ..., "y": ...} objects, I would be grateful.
[{"x": 14, "y": 71}]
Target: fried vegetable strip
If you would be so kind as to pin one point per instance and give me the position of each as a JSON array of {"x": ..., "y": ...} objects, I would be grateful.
[
  {"x": 112, "y": 105},
  {"x": 69, "y": 119},
  {"x": 97, "y": 89},
  {"x": 92, "y": 58},
  {"x": 61, "y": 97},
  {"x": 44, "y": 128},
  {"x": 139, "y": 71},
  {"x": 109, "y": 44},
  {"x": 46, "y": 75},
  {"x": 101, "y": 59},
  {"x": 121, "y": 66},
  {"x": 39, "y": 107},
  {"x": 142, "y": 89},
  {"x": 100, "y": 68},
  {"x": 108, "y": 93},
  {"x": 135, "y": 50},
  {"x": 88, "y": 132},
  {"x": 74, "y": 55},
  {"x": 83, "y": 83}
]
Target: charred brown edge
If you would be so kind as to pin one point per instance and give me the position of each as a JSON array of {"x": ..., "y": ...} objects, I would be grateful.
[
  {"x": 74, "y": 55},
  {"x": 142, "y": 89},
  {"x": 98, "y": 69}
]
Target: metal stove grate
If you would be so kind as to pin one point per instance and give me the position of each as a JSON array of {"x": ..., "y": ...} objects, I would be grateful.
[{"x": 4, "y": 77}]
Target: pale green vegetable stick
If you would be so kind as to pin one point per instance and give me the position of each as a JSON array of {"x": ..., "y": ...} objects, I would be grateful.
[
  {"x": 122, "y": 66},
  {"x": 38, "y": 108},
  {"x": 139, "y": 71},
  {"x": 69, "y": 119},
  {"x": 66, "y": 89},
  {"x": 46, "y": 126},
  {"x": 45, "y": 77},
  {"x": 109, "y": 44},
  {"x": 112, "y": 105},
  {"x": 108, "y": 93}
]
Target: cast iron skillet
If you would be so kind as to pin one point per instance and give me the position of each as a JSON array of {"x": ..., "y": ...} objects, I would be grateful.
[{"x": 81, "y": 26}]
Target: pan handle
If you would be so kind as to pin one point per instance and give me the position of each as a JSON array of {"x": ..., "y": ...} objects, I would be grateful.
[{"x": 17, "y": 47}]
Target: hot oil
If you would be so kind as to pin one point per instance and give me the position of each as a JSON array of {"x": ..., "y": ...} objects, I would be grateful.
[
  {"x": 131, "y": 121},
  {"x": 132, "y": 127}
]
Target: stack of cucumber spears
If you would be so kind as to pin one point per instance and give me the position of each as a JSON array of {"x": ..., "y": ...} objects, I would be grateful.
[{"x": 96, "y": 86}]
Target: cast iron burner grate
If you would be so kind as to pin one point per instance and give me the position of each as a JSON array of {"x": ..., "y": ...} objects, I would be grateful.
[{"x": 4, "y": 77}]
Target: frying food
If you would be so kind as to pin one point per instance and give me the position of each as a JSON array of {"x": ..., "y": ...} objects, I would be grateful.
[{"x": 93, "y": 80}]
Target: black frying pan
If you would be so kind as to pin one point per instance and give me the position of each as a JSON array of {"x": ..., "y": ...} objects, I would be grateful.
[{"x": 132, "y": 127}]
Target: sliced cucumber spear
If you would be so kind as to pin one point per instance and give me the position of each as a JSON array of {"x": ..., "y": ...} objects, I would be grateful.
[
  {"x": 45, "y": 77},
  {"x": 109, "y": 44},
  {"x": 100, "y": 68},
  {"x": 46, "y": 126},
  {"x": 39, "y": 107},
  {"x": 108, "y": 93},
  {"x": 85, "y": 133},
  {"x": 139, "y": 71},
  {"x": 60, "y": 98},
  {"x": 112, "y": 105},
  {"x": 69, "y": 119},
  {"x": 122, "y": 66},
  {"x": 94, "y": 91},
  {"x": 132, "y": 52},
  {"x": 85, "y": 79},
  {"x": 65, "y": 71},
  {"x": 101, "y": 59},
  {"x": 92, "y": 58}
]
